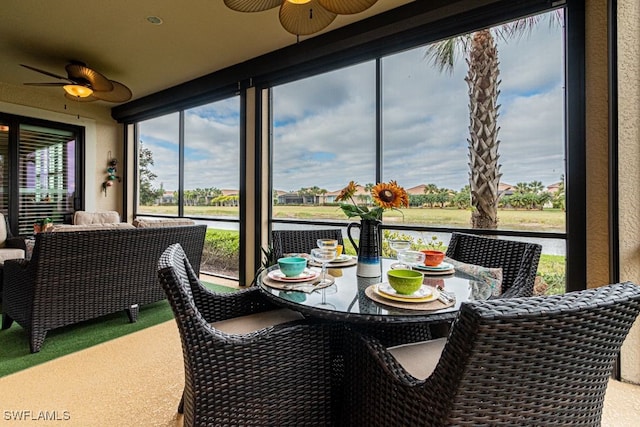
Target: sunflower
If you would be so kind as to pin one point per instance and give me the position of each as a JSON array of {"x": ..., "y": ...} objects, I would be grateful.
[
  {"x": 389, "y": 196},
  {"x": 347, "y": 192},
  {"x": 385, "y": 196}
]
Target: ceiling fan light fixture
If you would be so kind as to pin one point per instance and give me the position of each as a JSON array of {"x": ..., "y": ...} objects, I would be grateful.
[{"x": 78, "y": 90}]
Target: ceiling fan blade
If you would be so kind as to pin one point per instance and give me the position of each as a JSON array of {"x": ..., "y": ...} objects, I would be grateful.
[
  {"x": 303, "y": 19},
  {"x": 46, "y": 84},
  {"x": 350, "y": 7},
  {"x": 120, "y": 93},
  {"x": 252, "y": 5},
  {"x": 98, "y": 82},
  {"x": 46, "y": 73},
  {"x": 89, "y": 98}
]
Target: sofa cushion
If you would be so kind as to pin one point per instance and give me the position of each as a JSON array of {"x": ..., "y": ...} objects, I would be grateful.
[
  {"x": 85, "y": 218},
  {"x": 164, "y": 222},
  {"x": 3, "y": 231},
  {"x": 90, "y": 227},
  {"x": 7, "y": 253}
]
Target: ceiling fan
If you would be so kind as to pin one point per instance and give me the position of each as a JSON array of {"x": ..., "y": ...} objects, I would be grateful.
[
  {"x": 303, "y": 17},
  {"x": 85, "y": 84}
]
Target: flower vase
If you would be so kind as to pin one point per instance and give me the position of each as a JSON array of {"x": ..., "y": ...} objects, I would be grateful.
[{"x": 368, "y": 248}]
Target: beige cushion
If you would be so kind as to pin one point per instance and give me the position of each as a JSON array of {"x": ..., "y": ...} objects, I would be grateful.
[
  {"x": 6, "y": 253},
  {"x": 165, "y": 222},
  {"x": 90, "y": 227},
  {"x": 3, "y": 231},
  {"x": 85, "y": 218},
  {"x": 257, "y": 321},
  {"x": 419, "y": 359}
]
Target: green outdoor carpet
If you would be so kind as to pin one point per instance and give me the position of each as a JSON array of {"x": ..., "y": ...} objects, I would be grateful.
[{"x": 14, "y": 342}]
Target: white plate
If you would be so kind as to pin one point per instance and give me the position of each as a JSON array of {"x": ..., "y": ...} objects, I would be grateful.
[
  {"x": 342, "y": 258},
  {"x": 442, "y": 266},
  {"x": 306, "y": 275},
  {"x": 421, "y": 293},
  {"x": 432, "y": 296}
]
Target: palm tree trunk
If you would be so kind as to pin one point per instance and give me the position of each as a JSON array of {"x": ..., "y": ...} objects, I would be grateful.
[{"x": 484, "y": 176}]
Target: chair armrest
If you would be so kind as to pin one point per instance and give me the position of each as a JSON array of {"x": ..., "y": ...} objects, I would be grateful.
[
  {"x": 216, "y": 306},
  {"x": 19, "y": 283},
  {"x": 16, "y": 243}
]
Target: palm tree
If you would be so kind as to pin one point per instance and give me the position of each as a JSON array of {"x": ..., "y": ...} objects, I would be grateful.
[{"x": 483, "y": 80}]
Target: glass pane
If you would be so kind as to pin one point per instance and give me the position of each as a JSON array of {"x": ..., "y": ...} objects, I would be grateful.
[
  {"x": 212, "y": 159},
  {"x": 323, "y": 137},
  {"x": 158, "y": 160},
  {"x": 429, "y": 117},
  {"x": 46, "y": 175},
  {"x": 212, "y": 180}
]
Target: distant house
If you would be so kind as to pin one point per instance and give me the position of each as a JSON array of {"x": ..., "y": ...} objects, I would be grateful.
[
  {"x": 505, "y": 189},
  {"x": 293, "y": 198},
  {"x": 418, "y": 190},
  {"x": 167, "y": 198},
  {"x": 555, "y": 187}
]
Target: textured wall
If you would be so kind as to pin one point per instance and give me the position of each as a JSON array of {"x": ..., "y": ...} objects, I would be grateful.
[
  {"x": 103, "y": 134},
  {"x": 597, "y": 142},
  {"x": 629, "y": 170}
]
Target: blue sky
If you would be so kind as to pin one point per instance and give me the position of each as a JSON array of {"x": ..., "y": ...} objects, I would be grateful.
[{"x": 324, "y": 126}]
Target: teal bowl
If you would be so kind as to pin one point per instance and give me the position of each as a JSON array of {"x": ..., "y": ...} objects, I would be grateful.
[
  {"x": 292, "y": 266},
  {"x": 405, "y": 282}
]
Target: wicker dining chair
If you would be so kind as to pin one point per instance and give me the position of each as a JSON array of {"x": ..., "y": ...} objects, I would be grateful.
[
  {"x": 246, "y": 363},
  {"x": 301, "y": 241},
  {"x": 518, "y": 260},
  {"x": 542, "y": 360}
]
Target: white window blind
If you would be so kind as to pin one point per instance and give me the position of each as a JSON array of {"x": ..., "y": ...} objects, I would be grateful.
[{"x": 46, "y": 175}]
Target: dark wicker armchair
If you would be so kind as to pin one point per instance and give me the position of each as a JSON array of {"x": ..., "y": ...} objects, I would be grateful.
[
  {"x": 301, "y": 241},
  {"x": 518, "y": 260},
  {"x": 522, "y": 361},
  {"x": 239, "y": 371}
]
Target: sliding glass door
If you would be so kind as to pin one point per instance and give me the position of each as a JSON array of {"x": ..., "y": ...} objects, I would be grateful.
[
  {"x": 46, "y": 175},
  {"x": 39, "y": 175}
]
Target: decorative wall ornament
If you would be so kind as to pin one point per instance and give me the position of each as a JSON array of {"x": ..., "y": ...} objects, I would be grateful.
[{"x": 111, "y": 174}]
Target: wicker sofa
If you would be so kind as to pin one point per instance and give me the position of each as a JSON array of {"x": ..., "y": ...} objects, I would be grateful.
[{"x": 80, "y": 275}]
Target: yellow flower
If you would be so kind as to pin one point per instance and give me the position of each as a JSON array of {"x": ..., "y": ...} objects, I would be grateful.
[
  {"x": 347, "y": 192},
  {"x": 389, "y": 195}
]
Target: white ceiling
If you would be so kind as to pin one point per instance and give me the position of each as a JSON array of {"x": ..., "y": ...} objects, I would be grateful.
[{"x": 197, "y": 37}]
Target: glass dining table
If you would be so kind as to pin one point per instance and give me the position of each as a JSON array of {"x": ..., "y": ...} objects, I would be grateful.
[{"x": 356, "y": 299}]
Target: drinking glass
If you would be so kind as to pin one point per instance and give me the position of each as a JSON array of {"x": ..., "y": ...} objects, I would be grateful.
[
  {"x": 324, "y": 256},
  {"x": 399, "y": 246},
  {"x": 327, "y": 243},
  {"x": 323, "y": 303},
  {"x": 407, "y": 259}
]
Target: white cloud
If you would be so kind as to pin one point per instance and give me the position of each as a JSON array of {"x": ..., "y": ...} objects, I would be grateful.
[{"x": 324, "y": 131}]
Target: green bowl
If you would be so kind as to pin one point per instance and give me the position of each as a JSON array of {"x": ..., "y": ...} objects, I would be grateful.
[{"x": 405, "y": 282}]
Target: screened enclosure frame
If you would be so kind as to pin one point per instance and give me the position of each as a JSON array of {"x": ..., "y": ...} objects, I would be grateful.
[{"x": 414, "y": 24}]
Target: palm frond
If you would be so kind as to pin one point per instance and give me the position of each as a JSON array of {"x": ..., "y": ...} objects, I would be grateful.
[{"x": 444, "y": 53}]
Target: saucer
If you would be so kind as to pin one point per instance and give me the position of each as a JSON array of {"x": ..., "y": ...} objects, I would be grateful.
[
  {"x": 306, "y": 275},
  {"x": 424, "y": 294}
]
